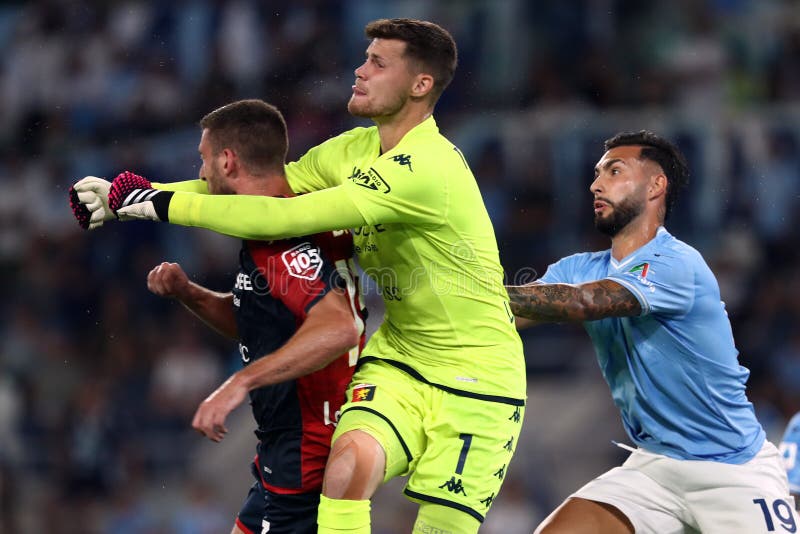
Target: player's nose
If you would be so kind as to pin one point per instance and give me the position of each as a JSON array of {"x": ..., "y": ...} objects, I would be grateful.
[
  {"x": 359, "y": 71},
  {"x": 595, "y": 186}
]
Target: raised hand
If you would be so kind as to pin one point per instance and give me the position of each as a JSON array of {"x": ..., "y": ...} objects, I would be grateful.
[
  {"x": 132, "y": 197},
  {"x": 168, "y": 280},
  {"x": 88, "y": 199}
]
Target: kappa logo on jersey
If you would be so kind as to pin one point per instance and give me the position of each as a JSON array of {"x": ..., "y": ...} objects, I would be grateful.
[
  {"x": 640, "y": 270},
  {"x": 303, "y": 261},
  {"x": 370, "y": 179},
  {"x": 403, "y": 159},
  {"x": 363, "y": 392}
]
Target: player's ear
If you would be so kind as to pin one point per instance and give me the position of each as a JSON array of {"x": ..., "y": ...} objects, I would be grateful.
[
  {"x": 230, "y": 161},
  {"x": 423, "y": 84},
  {"x": 658, "y": 185}
]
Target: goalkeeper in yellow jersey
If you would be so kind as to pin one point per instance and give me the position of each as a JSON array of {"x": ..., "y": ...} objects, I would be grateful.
[{"x": 439, "y": 391}]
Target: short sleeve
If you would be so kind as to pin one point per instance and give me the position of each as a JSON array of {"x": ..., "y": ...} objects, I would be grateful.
[
  {"x": 663, "y": 284},
  {"x": 564, "y": 271},
  {"x": 299, "y": 276}
]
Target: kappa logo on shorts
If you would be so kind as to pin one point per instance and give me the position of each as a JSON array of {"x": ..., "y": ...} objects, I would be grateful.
[
  {"x": 454, "y": 485},
  {"x": 500, "y": 473},
  {"x": 363, "y": 392}
]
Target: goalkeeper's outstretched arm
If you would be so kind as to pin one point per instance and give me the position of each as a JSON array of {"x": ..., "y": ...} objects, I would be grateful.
[
  {"x": 131, "y": 196},
  {"x": 88, "y": 198},
  {"x": 186, "y": 186},
  {"x": 267, "y": 218}
]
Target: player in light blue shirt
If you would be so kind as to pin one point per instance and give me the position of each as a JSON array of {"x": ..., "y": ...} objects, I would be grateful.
[
  {"x": 652, "y": 308},
  {"x": 789, "y": 444},
  {"x": 672, "y": 368}
]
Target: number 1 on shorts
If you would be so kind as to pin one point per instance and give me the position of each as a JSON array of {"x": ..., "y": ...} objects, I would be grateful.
[{"x": 462, "y": 458}]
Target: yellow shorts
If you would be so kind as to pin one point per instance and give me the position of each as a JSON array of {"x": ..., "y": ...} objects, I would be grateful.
[{"x": 455, "y": 448}]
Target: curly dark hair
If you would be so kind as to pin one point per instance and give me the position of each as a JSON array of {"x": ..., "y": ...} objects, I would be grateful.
[{"x": 661, "y": 151}]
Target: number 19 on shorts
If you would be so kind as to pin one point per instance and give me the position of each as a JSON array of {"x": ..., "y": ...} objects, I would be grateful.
[{"x": 779, "y": 510}]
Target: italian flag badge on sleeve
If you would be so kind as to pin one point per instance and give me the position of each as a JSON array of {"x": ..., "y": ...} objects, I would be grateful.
[{"x": 640, "y": 270}]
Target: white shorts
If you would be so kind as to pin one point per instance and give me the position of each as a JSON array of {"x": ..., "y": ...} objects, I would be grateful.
[{"x": 661, "y": 495}]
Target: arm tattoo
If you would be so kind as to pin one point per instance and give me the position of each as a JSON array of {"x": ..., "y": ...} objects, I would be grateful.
[{"x": 573, "y": 303}]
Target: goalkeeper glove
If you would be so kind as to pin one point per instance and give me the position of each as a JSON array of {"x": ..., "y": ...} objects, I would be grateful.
[
  {"x": 88, "y": 199},
  {"x": 80, "y": 211},
  {"x": 132, "y": 197}
]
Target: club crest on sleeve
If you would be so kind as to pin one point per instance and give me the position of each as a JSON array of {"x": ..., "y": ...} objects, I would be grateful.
[
  {"x": 363, "y": 392},
  {"x": 303, "y": 261}
]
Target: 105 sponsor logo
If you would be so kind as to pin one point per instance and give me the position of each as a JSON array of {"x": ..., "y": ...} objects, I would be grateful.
[{"x": 303, "y": 261}]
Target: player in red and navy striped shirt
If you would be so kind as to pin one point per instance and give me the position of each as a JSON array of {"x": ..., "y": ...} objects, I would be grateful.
[{"x": 297, "y": 314}]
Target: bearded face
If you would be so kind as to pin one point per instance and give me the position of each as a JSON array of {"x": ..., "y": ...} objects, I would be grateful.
[
  {"x": 611, "y": 221},
  {"x": 211, "y": 170},
  {"x": 214, "y": 177}
]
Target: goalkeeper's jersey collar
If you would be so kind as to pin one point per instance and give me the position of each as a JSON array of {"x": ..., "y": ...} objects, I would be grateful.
[{"x": 425, "y": 127}]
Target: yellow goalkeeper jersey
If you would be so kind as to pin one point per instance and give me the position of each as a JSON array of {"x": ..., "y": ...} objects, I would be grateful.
[
  {"x": 421, "y": 231},
  {"x": 430, "y": 247}
]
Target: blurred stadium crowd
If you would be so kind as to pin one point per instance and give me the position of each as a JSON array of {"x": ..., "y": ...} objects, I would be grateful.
[{"x": 99, "y": 379}]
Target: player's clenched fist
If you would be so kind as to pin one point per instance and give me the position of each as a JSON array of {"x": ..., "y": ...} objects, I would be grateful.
[
  {"x": 168, "y": 280},
  {"x": 88, "y": 199},
  {"x": 132, "y": 197}
]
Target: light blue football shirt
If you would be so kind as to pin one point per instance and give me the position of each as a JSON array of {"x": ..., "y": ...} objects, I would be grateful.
[
  {"x": 789, "y": 445},
  {"x": 673, "y": 371}
]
